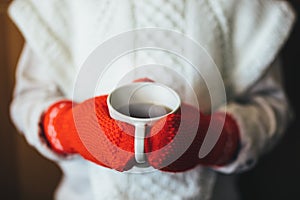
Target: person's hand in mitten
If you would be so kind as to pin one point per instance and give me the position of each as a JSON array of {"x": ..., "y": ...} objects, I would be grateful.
[
  {"x": 174, "y": 142},
  {"x": 88, "y": 130}
]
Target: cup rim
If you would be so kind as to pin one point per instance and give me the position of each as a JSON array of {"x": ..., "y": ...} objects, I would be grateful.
[{"x": 135, "y": 120}]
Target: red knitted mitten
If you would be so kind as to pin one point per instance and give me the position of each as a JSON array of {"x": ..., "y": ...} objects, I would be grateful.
[
  {"x": 71, "y": 129},
  {"x": 174, "y": 143}
]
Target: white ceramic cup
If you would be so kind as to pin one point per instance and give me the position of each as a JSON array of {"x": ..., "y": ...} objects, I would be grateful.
[{"x": 142, "y": 93}]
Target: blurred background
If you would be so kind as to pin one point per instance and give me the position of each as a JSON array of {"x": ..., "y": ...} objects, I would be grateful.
[
  {"x": 24, "y": 174},
  {"x": 277, "y": 175}
]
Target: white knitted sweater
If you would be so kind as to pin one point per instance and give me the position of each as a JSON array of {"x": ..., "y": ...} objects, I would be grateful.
[{"x": 242, "y": 36}]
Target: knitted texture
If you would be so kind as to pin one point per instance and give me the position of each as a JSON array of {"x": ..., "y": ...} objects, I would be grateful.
[
  {"x": 176, "y": 146},
  {"x": 150, "y": 14},
  {"x": 88, "y": 130},
  {"x": 173, "y": 143}
]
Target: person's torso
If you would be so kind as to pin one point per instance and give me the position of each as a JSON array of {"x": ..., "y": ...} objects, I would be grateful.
[
  {"x": 178, "y": 43},
  {"x": 182, "y": 47}
]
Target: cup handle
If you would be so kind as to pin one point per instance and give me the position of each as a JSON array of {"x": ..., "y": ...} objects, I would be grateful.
[{"x": 139, "y": 137}]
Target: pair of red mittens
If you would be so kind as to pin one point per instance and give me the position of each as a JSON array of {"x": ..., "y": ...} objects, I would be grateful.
[{"x": 173, "y": 142}]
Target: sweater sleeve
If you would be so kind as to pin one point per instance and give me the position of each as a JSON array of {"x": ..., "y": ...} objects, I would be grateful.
[
  {"x": 46, "y": 27},
  {"x": 34, "y": 92},
  {"x": 256, "y": 31},
  {"x": 262, "y": 115}
]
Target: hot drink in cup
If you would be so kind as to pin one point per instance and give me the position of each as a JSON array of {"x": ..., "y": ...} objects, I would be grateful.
[{"x": 142, "y": 104}]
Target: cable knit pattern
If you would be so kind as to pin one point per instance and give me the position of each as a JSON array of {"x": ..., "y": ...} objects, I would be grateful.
[
  {"x": 165, "y": 186},
  {"x": 151, "y": 14}
]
